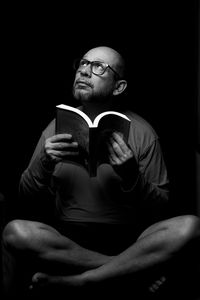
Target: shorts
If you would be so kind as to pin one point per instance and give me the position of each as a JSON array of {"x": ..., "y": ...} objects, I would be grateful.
[{"x": 109, "y": 239}]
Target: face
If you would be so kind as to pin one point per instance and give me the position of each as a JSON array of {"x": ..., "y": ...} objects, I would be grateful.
[{"x": 91, "y": 87}]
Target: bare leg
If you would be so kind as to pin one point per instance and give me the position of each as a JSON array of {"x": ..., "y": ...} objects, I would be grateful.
[
  {"x": 158, "y": 245},
  {"x": 31, "y": 242}
]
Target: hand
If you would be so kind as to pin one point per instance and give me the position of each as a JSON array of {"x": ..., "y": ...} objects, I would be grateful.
[
  {"x": 119, "y": 152},
  {"x": 122, "y": 159},
  {"x": 59, "y": 147}
]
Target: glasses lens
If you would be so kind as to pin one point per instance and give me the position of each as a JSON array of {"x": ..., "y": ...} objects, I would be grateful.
[
  {"x": 79, "y": 63},
  {"x": 98, "y": 68},
  {"x": 83, "y": 63}
]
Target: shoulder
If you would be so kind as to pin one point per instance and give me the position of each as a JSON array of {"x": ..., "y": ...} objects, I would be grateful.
[
  {"x": 140, "y": 124},
  {"x": 142, "y": 134}
]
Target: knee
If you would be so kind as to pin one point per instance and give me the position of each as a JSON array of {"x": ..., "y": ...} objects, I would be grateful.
[
  {"x": 16, "y": 234},
  {"x": 187, "y": 228}
]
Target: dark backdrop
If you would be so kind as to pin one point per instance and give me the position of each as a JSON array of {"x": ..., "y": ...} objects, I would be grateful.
[{"x": 160, "y": 45}]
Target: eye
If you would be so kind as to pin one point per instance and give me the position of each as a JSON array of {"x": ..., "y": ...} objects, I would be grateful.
[
  {"x": 83, "y": 63},
  {"x": 98, "y": 67}
]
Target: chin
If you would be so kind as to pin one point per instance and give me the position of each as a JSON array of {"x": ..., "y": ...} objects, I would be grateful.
[{"x": 82, "y": 95}]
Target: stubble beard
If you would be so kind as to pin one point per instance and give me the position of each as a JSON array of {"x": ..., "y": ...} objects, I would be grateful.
[{"x": 83, "y": 96}]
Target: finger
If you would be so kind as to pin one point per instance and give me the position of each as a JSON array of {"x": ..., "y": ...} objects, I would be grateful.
[
  {"x": 61, "y": 154},
  {"x": 119, "y": 139},
  {"x": 59, "y": 137},
  {"x": 123, "y": 156},
  {"x": 153, "y": 288},
  {"x": 116, "y": 147},
  {"x": 156, "y": 285},
  {"x": 112, "y": 155},
  {"x": 62, "y": 145}
]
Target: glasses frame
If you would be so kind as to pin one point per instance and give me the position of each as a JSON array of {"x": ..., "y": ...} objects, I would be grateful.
[{"x": 105, "y": 65}]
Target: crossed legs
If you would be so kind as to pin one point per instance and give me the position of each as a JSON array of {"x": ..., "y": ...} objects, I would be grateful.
[{"x": 36, "y": 249}]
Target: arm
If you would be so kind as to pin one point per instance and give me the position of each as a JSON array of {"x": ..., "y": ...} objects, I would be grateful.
[
  {"x": 36, "y": 186},
  {"x": 35, "y": 191},
  {"x": 144, "y": 173},
  {"x": 37, "y": 177},
  {"x": 154, "y": 184},
  {"x": 48, "y": 153}
]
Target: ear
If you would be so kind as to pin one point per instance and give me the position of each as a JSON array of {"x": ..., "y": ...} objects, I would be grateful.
[{"x": 120, "y": 86}]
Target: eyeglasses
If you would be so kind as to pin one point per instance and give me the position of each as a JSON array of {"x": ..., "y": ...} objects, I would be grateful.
[{"x": 97, "y": 67}]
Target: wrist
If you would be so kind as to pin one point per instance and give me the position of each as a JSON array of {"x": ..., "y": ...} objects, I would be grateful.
[
  {"x": 130, "y": 184},
  {"x": 128, "y": 173},
  {"x": 47, "y": 162}
]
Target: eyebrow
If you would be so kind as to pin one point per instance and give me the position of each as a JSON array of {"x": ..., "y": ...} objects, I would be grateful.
[{"x": 96, "y": 59}]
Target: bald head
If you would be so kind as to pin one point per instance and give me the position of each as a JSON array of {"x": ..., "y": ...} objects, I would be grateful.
[
  {"x": 109, "y": 56},
  {"x": 90, "y": 86}
]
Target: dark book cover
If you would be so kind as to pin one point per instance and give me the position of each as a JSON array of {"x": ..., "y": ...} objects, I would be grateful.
[{"x": 91, "y": 136}]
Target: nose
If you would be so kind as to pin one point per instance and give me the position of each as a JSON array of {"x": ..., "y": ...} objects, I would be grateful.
[{"x": 86, "y": 70}]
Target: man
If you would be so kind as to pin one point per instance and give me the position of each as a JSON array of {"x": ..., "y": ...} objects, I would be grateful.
[{"x": 113, "y": 228}]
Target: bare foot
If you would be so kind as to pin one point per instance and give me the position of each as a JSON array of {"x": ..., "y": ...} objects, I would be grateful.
[
  {"x": 42, "y": 280},
  {"x": 157, "y": 284}
]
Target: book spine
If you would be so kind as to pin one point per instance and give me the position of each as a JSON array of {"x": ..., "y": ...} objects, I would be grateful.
[{"x": 93, "y": 151}]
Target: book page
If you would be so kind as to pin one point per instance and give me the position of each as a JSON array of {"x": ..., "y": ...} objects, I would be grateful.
[
  {"x": 110, "y": 123},
  {"x": 76, "y": 110},
  {"x": 98, "y": 118}
]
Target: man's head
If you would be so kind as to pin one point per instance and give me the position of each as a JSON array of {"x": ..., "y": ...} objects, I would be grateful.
[{"x": 99, "y": 75}]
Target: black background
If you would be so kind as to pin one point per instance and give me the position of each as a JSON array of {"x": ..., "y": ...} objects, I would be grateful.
[{"x": 159, "y": 42}]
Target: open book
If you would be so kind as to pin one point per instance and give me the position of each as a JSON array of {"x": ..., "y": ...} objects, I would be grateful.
[{"x": 91, "y": 136}]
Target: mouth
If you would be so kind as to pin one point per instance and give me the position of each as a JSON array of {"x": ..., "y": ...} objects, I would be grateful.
[{"x": 83, "y": 83}]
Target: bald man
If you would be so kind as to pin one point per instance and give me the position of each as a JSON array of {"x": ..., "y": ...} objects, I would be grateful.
[{"x": 108, "y": 229}]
